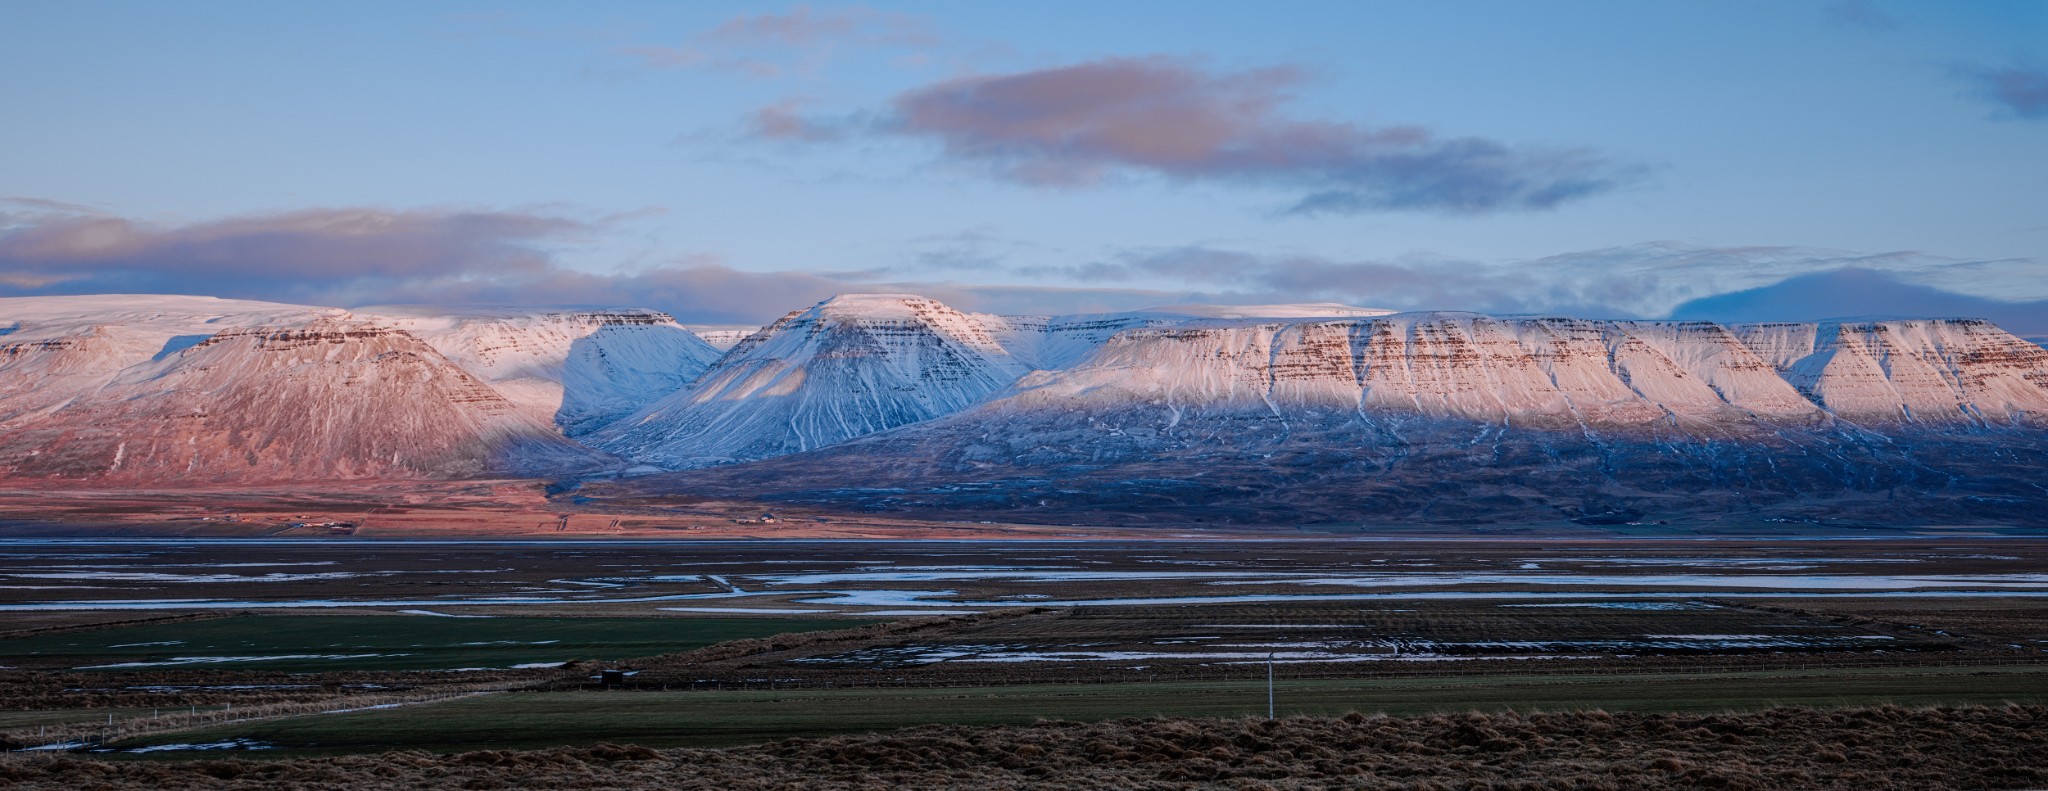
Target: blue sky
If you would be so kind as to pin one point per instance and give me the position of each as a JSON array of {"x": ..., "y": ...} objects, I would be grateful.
[{"x": 731, "y": 161}]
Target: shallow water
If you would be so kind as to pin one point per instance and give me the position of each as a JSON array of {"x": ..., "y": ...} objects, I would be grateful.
[
  {"x": 930, "y": 598},
  {"x": 179, "y": 661},
  {"x": 1791, "y": 582}
]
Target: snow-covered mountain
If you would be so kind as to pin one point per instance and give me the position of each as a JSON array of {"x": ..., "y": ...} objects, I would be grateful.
[
  {"x": 724, "y": 338},
  {"x": 579, "y": 369},
  {"x": 1962, "y": 371},
  {"x": 897, "y": 392},
  {"x": 196, "y": 388},
  {"x": 1464, "y": 418},
  {"x": 55, "y": 350},
  {"x": 234, "y": 392},
  {"x": 849, "y": 366},
  {"x": 857, "y": 364},
  {"x": 1564, "y": 373}
]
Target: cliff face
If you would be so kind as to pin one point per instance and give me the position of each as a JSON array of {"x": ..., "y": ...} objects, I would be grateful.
[
  {"x": 327, "y": 399},
  {"x": 1959, "y": 371},
  {"x": 1561, "y": 373}
]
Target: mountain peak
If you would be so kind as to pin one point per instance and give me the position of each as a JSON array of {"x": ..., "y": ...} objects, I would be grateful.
[{"x": 881, "y": 306}]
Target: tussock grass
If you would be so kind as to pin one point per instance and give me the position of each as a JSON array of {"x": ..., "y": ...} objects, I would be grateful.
[
  {"x": 119, "y": 728},
  {"x": 1886, "y": 747}
]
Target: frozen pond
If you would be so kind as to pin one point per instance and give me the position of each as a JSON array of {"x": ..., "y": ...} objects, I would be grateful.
[
  {"x": 429, "y": 578},
  {"x": 1789, "y": 582}
]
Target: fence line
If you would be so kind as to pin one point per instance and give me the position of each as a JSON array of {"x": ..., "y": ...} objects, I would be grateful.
[
  {"x": 87, "y": 735},
  {"x": 714, "y": 685}
]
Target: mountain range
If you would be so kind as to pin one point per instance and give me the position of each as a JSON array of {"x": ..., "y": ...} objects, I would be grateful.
[{"x": 1303, "y": 413}]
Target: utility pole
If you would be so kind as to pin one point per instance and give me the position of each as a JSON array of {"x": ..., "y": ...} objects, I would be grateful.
[{"x": 1269, "y": 686}]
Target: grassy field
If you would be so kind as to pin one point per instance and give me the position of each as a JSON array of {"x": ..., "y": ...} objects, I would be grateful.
[
  {"x": 528, "y": 720},
  {"x": 18, "y": 719},
  {"x": 387, "y": 642}
]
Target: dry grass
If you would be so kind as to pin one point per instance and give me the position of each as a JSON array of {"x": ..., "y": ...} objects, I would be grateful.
[
  {"x": 1874, "y": 748},
  {"x": 118, "y": 728}
]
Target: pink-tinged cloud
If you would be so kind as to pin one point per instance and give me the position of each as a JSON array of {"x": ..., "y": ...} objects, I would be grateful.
[
  {"x": 1642, "y": 280},
  {"x": 782, "y": 121},
  {"x": 1074, "y": 125},
  {"x": 350, "y": 257},
  {"x": 759, "y": 45},
  {"x": 804, "y": 26},
  {"x": 322, "y": 245}
]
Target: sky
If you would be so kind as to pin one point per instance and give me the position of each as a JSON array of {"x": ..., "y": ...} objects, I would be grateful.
[{"x": 729, "y": 162}]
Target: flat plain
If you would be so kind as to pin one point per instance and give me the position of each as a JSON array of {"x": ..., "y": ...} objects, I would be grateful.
[{"x": 288, "y": 649}]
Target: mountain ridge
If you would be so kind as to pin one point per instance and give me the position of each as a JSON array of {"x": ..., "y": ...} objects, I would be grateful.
[{"x": 899, "y": 402}]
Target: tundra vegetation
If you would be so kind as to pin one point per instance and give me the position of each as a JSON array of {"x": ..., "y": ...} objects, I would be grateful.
[{"x": 1905, "y": 663}]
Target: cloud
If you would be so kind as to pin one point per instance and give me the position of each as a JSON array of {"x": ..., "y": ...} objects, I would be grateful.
[
  {"x": 2018, "y": 90},
  {"x": 1076, "y": 125},
  {"x": 781, "y": 121},
  {"x": 354, "y": 257},
  {"x": 979, "y": 250},
  {"x": 1855, "y": 293},
  {"x": 804, "y": 26},
  {"x": 1859, "y": 15},
  {"x": 706, "y": 292},
  {"x": 295, "y": 252},
  {"x": 1644, "y": 280},
  {"x": 763, "y": 45},
  {"x": 43, "y": 204}
]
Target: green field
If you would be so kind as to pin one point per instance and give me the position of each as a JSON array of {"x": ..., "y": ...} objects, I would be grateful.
[
  {"x": 19, "y": 719},
  {"x": 303, "y": 643},
  {"x": 663, "y": 719}
]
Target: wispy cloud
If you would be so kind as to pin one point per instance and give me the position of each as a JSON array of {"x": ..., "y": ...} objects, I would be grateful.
[
  {"x": 774, "y": 44},
  {"x": 1076, "y": 125},
  {"x": 2018, "y": 91},
  {"x": 805, "y": 26},
  {"x": 1862, "y": 15},
  {"x": 785, "y": 121},
  {"x": 1644, "y": 280}
]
